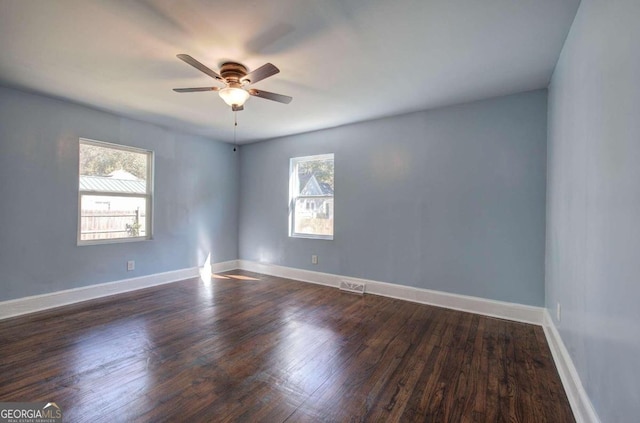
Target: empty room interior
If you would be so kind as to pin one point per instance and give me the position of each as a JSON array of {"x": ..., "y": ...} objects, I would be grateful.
[{"x": 320, "y": 211}]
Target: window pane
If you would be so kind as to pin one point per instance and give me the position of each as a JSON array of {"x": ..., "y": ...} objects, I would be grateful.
[
  {"x": 314, "y": 216},
  {"x": 315, "y": 177},
  {"x": 311, "y": 210},
  {"x": 110, "y": 217},
  {"x": 108, "y": 169},
  {"x": 115, "y": 192}
]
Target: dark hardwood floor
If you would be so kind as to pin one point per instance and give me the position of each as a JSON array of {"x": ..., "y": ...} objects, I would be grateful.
[{"x": 260, "y": 348}]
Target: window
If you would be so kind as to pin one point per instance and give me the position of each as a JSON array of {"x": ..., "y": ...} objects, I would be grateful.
[
  {"x": 114, "y": 193},
  {"x": 311, "y": 197}
]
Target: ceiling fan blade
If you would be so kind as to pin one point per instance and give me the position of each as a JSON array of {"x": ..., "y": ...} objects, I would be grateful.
[
  {"x": 202, "y": 68},
  {"x": 193, "y": 90},
  {"x": 237, "y": 108},
  {"x": 261, "y": 73},
  {"x": 271, "y": 96}
]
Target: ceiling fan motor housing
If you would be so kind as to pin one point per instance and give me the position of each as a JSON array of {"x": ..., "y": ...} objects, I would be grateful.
[{"x": 233, "y": 72}]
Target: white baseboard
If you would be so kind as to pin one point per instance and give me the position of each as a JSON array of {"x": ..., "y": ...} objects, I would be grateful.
[
  {"x": 503, "y": 310},
  {"x": 41, "y": 302},
  {"x": 492, "y": 308},
  {"x": 224, "y": 266},
  {"x": 583, "y": 410}
]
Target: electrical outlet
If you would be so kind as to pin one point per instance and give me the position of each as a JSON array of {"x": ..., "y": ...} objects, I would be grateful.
[
  {"x": 558, "y": 314},
  {"x": 131, "y": 265},
  {"x": 314, "y": 259}
]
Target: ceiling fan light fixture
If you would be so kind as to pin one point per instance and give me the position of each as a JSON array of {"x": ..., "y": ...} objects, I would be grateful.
[
  {"x": 234, "y": 75},
  {"x": 234, "y": 96}
]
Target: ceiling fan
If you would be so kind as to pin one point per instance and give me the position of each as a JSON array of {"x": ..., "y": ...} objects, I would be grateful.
[{"x": 235, "y": 77}]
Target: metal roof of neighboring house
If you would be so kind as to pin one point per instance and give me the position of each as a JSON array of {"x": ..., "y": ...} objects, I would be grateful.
[
  {"x": 326, "y": 188},
  {"x": 110, "y": 184},
  {"x": 311, "y": 186}
]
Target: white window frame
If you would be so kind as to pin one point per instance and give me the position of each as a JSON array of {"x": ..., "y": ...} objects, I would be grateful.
[
  {"x": 148, "y": 196},
  {"x": 294, "y": 195}
]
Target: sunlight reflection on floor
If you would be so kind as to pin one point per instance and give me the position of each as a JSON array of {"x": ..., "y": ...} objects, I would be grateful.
[
  {"x": 112, "y": 362},
  {"x": 239, "y": 277},
  {"x": 242, "y": 277}
]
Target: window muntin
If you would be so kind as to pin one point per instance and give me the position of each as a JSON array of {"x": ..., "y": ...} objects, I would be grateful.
[
  {"x": 115, "y": 186},
  {"x": 311, "y": 196}
]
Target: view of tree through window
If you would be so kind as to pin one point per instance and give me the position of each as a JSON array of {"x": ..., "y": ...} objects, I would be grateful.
[
  {"x": 101, "y": 161},
  {"x": 312, "y": 201},
  {"x": 114, "y": 192},
  {"x": 321, "y": 169}
]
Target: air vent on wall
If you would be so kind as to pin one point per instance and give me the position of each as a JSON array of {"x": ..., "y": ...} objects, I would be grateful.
[{"x": 352, "y": 286}]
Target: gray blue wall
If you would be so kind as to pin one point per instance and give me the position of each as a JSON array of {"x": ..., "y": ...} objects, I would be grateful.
[
  {"x": 593, "y": 203},
  {"x": 450, "y": 199},
  {"x": 196, "y": 197}
]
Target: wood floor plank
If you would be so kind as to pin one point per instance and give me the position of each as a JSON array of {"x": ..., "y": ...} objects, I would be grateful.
[{"x": 254, "y": 347}]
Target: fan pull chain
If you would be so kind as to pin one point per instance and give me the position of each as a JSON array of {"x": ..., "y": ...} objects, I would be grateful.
[{"x": 235, "y": 127}]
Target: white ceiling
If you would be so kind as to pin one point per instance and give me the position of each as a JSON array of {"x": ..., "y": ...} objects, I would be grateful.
[{"x": 342, "y": 61}]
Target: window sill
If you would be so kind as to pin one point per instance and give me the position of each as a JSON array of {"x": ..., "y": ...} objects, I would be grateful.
[
  {"x": 308, "y": 236},
  {"x": 81, "y": 243}
]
